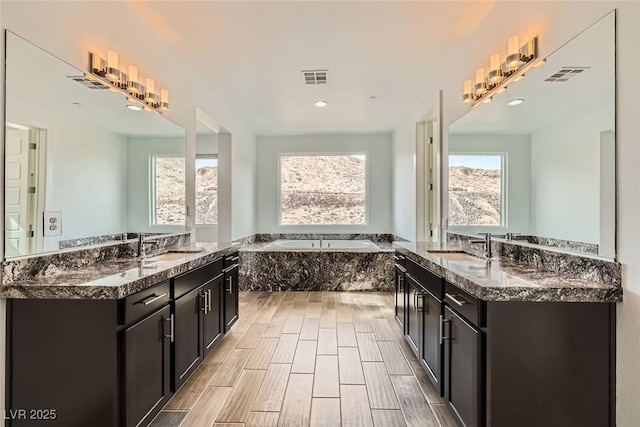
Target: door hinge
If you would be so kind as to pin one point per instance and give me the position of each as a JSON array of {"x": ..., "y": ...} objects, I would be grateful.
[
  {"x": 430, "y": 187},
  {"x": 31, "y": 233},
  {"x": 32, "y": 146},
  {"x": 31, "y": 190},
  {"x": 430, "y": 140}
]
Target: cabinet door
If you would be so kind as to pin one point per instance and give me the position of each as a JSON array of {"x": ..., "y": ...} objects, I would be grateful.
[
  {"x": 463, "y": 372},
  {"x": 400, "y": 297},
  {"x": 431, "y": 359},
  {"x": 147, "y": 367},
  {"x": 231, "y": 307},
  {"x": 187, "y": 344},
  {"x": 213, "y": 322},
  {"x": 413, "y": 318}
]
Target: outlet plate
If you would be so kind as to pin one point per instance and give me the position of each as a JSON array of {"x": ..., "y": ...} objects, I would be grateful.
[{"x": 52, "y": 224}]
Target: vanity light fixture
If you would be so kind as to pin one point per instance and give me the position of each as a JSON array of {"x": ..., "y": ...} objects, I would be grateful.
[
  {"x": 109, "y": 75},
  {"x": 518, "y": 59},
  {"x": 320, "y": 103},
  {"x": 517, "y": 101}
]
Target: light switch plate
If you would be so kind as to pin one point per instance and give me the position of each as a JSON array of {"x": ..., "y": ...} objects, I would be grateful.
[{"x": 52, "y": 224}]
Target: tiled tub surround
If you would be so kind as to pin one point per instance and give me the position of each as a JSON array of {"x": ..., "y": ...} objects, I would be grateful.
[
  {"x": 506, "y": 279},
  {"x": 584, "y": 266},
  {"x": 375, "y": 238},
  {"x": 114, "y": 278},
  {"x": 264, "y": 268}
]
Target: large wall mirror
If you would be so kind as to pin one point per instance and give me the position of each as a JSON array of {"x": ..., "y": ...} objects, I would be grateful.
[
  {"x": 80, "y": 166},
  {"x": 538, "y": 162}
]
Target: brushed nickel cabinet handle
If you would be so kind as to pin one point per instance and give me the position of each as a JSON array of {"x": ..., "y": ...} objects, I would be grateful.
[
  {"x": 442, "y": 322},
  {"x": 455, "y": 300},
  {"x": 152, "y": 298}
]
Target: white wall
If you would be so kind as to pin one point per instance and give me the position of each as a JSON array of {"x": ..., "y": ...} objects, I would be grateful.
[
  {"x": 565, "y": 184},
  {"x": 555, "y": 23},
  {"x": 139, "y": 151},
  {"x": 517, "y": 180},
  {"x": 404, "y": 181},
  {"x": 86, "y": 173},
  {"x": 378, "y": 149}
]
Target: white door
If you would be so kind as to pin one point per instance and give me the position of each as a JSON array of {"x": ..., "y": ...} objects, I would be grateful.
[{"x": 16, "y": 191}]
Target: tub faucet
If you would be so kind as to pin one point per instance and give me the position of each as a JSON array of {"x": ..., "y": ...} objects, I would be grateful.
[
  {"x": 321, "y": 241},
  {"x": 487, "y": 244}
]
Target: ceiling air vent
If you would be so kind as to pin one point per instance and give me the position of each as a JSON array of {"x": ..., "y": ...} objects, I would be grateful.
[
  {"x": 565, "y": 74},
  {"x": 91, "y": 84},
  {"x": 315, "y": 77}
]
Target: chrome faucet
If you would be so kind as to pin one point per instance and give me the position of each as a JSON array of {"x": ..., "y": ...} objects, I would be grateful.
[
  {"x": 487, "y": 244},
  {"x": 142, "y": 242},
  {"x": 321, "y": 241}
]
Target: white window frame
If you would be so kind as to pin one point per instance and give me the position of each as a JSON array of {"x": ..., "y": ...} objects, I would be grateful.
[
  {"x": 315, "y": 154},
  {"x": 152, "y": 189},
  {"x": 503, "y": 188},
  {"x": 204, "y": 156}
]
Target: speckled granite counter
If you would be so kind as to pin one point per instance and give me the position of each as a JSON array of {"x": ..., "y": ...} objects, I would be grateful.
[
  {"x": 114, "y": 279},
  {"x": 507, "y": 280}
]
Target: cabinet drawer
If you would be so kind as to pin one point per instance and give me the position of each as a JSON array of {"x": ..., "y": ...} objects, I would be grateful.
[
  {"x": 400, "y": 259},
  {"x": 427, "y": 279},
  {"x": 143, "y": 303},
  {"x": 194, "y": 278},
  {"x": 464, "y": 304}
]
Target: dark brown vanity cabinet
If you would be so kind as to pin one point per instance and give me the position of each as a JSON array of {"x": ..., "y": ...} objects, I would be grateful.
[
  {"x": 231, "y": 301},
  {"x": 512, "y": 363},
  {"x": 110, "y": 363},
  {"x": 462, "y": 368},
  {"x": 198, "y": 318},
  {"x": 400, "y": 292},
  {"x": 147, "y": 367},
  {"x": 424, "y": 316}
]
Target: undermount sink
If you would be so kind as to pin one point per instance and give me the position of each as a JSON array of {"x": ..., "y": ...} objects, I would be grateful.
[
  {"x": 455, "y": 256},
  {"x": 170, "y": 256}
]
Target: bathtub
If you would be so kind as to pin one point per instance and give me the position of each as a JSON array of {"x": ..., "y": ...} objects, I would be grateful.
[{"x": 324, "y": 244}]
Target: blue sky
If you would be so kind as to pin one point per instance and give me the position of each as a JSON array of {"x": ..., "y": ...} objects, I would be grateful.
[{"x": 491, "y": 162}]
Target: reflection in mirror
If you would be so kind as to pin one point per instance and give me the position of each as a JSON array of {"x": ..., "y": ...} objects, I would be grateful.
[
  {"x": 542, "y": 168},
  {"x": 81, "y": 167},
  {"x": 206, "y": 182}
]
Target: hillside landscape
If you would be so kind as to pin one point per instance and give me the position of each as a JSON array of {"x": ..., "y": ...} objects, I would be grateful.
[{"x": 474, "y": 196}]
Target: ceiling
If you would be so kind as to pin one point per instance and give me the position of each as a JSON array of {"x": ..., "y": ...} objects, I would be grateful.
[
  {"x": 550, "y": 103},
  {"x": 251, "y": 55}
]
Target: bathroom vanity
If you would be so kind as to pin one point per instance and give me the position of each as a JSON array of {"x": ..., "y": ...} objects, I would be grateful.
[
  {"x": 505, "y": 344},
  {"x": 112, "y": 351}
]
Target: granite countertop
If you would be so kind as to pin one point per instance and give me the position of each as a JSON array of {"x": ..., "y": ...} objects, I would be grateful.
[
  {"x": 262, "y": 247},
  {"x": 115, "y": 279},
  {"x": 505, "y": 280}
]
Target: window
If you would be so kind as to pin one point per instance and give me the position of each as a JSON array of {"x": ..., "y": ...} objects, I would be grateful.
[
  {"x": 324, "y": 189},
  {"x": 206, "y": 189},
  {"x": 168, "y": 190},
  {"x": 476, "y": 189}
]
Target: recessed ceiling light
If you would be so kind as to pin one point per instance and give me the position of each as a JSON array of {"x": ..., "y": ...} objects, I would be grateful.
[
  {"x": 487, "y": 100},
  {"x": 134, "y": 107},
  {"x": 516, "y": 101},
  {"x": 76, "y": 103},
  {"x": 373, "y": 97},
  {"x": 321, "y": 103}
]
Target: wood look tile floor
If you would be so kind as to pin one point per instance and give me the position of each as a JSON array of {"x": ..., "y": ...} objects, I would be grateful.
[{"x": 309, "y": 359}]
